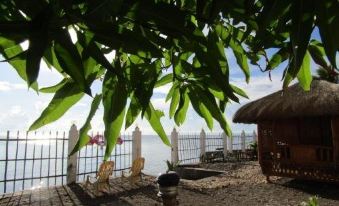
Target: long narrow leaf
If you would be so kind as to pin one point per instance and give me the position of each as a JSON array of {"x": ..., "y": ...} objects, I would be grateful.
[
  {"x": 132, "y": 113},
  {"x": 70, "y": 59},
  {"x": 304, "y": 75},
  {"x": 63, "y": 99},
  {"x": 55, "y": 88},
  {"x": 9, "y": 49},
  {"x": 114, "y": 100},
  {"x": 153, "y": 116}
]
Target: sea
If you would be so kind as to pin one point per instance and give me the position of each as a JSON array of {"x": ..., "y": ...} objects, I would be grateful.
[
  {"x": 43, "y": 153},
  {"x": 153, "y": 150}
]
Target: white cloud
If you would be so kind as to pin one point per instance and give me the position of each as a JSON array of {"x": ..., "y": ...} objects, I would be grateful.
[
  {"x": 15, "y": 110},
  {"x": 259, "y": 86},
  {"x": 6, "y": 86},
  {"x": 160, "y": 103}
]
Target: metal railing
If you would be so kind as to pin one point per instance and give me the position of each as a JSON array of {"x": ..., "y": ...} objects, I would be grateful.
[
  {"x": 189, "y": 145},
  {"x": 189, "y": 148},
  {"x": 91, "y": 156},
  {"x": 39, "y": 159}
]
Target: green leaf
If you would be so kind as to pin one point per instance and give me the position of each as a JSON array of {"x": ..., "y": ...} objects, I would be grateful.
[
  {"x": 70, "y": 59},
  {"x": 171, "y": 91},
  {"x": 153, "y": 116},
  {"x": 239, "y": 91},
  {"x": 10, "y": 49},
  {"x": 180, "y": 114},
  {"x": 120, "y": 38},
  {"x": 83, "y": 133},
  {"x": 241, "y": 57},
  {"x": 64, "y": 98},
  {"x": 168, "y": 78},
  {"x": 114, "y": 100},
  {"x": 209, "y": 102},
  {"x": 317, "y": 53},
  {"x": 328, "y": 21},
  {"x": 304, "y": 75},
  {"x": 201, "y": 109},
  {"x": 301, "y": 29},
  {"x": 51, "y": 60},
  {"x": 174, "y": 102},
  {"x": 92, "y": 49},
  {"x": 55, "y": 88},
  {"x": 133, "y": 112},
  {"x": 38, "y": 42},
  {"x": 277, "y": 59}
]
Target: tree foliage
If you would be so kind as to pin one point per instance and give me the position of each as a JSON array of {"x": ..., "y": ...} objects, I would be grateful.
[{"x": 158, "y": 42}]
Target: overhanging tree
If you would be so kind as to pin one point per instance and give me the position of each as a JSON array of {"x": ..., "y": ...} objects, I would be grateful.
[{"x": 158, "y": 42}]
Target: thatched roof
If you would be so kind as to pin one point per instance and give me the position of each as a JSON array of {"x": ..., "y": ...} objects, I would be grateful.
[{"x": 321, "y": 100}]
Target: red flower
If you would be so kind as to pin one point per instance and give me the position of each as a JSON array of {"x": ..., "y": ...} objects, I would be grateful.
[{"x": 120, "y": 141}]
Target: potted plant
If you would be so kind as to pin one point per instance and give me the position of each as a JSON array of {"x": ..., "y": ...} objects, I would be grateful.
[{"x": 168, "y": 185}]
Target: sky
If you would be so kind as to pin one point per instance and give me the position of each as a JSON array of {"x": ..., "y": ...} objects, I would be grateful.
[{"x": 20, "y": 106}]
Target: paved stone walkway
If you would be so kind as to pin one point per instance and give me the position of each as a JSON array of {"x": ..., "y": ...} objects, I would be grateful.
[{"x": 76, "y": 194}]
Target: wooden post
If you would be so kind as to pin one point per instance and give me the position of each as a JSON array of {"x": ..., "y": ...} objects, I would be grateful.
[
  {"x": 174, "y": 146},
  {"x": 72, "y": 161},
  {"x": 202, "y": 143},
  {"x": 224, "y": 143},
  {"x": 243, "y": 141},
  {"x": 136, "y": 144}
]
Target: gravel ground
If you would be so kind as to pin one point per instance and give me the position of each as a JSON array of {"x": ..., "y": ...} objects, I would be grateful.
[{"x": 244, "y": 184}]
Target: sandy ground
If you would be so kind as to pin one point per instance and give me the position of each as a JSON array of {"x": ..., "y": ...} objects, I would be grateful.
[{"x": 239, "y": 184}]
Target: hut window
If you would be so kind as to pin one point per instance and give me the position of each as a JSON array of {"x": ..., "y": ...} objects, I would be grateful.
[
  {"x": 326, "y": 132},
  {"x": 315, "y": 131}
]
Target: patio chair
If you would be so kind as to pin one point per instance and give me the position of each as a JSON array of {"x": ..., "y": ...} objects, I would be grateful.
[
  {"x": 135, "y": 171},
  {"x": 101, "y": 181}
]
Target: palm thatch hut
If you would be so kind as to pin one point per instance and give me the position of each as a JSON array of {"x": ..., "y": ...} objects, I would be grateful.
[{"x": 298, "y": 131}]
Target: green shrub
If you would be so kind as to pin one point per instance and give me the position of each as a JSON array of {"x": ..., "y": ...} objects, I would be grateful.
[{"x": 312, "y": 201}]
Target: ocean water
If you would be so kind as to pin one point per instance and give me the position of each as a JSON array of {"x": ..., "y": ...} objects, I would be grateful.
[
  {"x": 153, "y": 150},
  {"x": 155, "y": 153}
]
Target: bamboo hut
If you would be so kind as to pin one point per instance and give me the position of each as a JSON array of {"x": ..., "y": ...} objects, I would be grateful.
[{"x": 298, "y": 131}]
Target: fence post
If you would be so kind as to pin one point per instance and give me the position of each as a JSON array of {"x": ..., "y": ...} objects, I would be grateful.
[
  {"x": 202, "y": 143},
  {"x": 136, "y": 143},
  {"x": 243, "y": 141},
  {"x": 174, "y": 146},
  {"x": 224, "y": 143},
  {"x": 255, "y": 137},
  {"x": 230, "y": 144},
  {"x": 72, "y": 161}
]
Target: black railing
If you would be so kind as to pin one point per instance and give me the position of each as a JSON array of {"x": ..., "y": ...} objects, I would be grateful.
[
  {"x": 34, "y": 160},
  {"x": 90, "y": 158},
  {"x": 189, "y": 145},
  {"x": 189, "y": 148}
]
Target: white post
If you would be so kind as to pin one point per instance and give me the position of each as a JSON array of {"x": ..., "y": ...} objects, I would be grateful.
[
  {"x": 230, "y": 145},
  {"x": 243, "y": 141},
  {"x": 72, "y": 161},
  {"x": 136, "y": 144},
  {"x": 174, "y": 146},
  {"x": 224, "y": 143},
  {"x": 255, "y": 137},
  {"x": 202, "y": 143}
]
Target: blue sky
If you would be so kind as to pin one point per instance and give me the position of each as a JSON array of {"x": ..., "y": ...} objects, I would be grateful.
[{"x": 19, "y": 107}]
